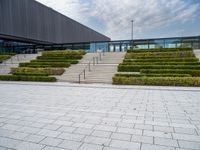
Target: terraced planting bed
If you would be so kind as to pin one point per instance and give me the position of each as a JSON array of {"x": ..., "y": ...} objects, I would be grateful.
[
  {"x": 164, "y": 67},
  {"x": 41, "y": 69},
  {"x": 4, "y": 56}
]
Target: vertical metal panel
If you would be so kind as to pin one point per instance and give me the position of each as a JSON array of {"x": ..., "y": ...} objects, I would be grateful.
[{"x": 31, "y": 20}]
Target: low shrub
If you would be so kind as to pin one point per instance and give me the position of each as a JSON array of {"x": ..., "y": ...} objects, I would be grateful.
[
  {"x": 186, "y": 59},
  {"x": 4, "y": 57},
  {"x": 49, "y": 71},
  {"x": 194, "y": 73},
  {"x": 61, "y": 57},
  {"x": 30, "y": 74},
  {"x": 160, "y": 63},
  {"x": 150, "y": 55},
  {"x": 158, "y": 81},
  {"x": 7, "y": 53},
  {"x": 152, "y": 75},
  {"x": 137, "y": 68},
  {"x": 63, "y": 52},
  {"x": 56, "y": 60},
  {"x": 158, "y": 50},
  {"x": 66, "y": 54},
  {"x": 45, "y": 64},
  {"x": 27, "y": 78}
]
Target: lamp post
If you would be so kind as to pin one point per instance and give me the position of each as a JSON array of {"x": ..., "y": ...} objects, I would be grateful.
[{"x": 132, "y": 34}]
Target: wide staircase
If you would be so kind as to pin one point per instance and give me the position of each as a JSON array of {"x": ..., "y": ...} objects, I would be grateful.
[
  {"x": 93, "y": 68},
  {"x": 14, "y": 61}
]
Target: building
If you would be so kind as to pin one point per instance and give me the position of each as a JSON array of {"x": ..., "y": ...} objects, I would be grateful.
[
  {"x": 27, "y": 25},
  {"x": 26, "y": 22}
]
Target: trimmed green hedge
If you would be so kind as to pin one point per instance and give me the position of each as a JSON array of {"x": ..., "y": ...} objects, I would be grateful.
[
  {"x": 71, "y": 57},
  {"x": 7, "y": 53},
  {"x": 158, "y": 50},
  {"x": 160, "y": 54},
  {"x": 30, "y": 74},
  {"x": 56, "y": 60},
  {"x": 45, "y": 64},
  {"x": 194, "y": 73},
  {"x": 49, "y": 71},
  {"x": 66, "y": 54},
  {"x": 186, "y": 59},
  {"x": 163, "y": 67},
  {"x": 27, "y": 78},
  {"x": 152, "y": 75},
  {"x": 160, "y": 63},
  {"x": 50, "y": 63},
  {"x": 63, "y": 52},
  {"x": 4, "y": 57},
  {"x": 61, "y": 57},
  {"x": 137, "y": 68},
  {"x": 158, "y": 81}
]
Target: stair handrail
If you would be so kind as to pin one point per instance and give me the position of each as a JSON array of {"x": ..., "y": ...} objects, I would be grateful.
[{"x": 94, "y": 60}]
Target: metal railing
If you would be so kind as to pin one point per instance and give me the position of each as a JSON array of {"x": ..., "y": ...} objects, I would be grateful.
[{"x": 95, "y": 60}]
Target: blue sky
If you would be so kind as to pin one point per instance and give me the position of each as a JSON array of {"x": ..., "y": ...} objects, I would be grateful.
[{"x": 152, "y": 18}]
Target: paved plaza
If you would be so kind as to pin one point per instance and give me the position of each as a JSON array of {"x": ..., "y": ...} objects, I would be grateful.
[{"x": 58, "y": 116}]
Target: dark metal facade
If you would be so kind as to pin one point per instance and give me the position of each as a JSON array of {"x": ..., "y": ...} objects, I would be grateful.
[{"x": 31, "y": 21}]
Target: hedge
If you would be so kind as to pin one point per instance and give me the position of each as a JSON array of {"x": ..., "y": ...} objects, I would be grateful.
[
  {"x": 63, "y": 52},
  {"x": 27, "y": 78},
  {"x": 137, "y": 68},
  {"x": 7, "y": 53},
  {"x": 152, "y": 75},
  {"x": 69, "y": 54},
  {"x": 61, "y": 57},
  {"x": 56, "y": 60},
  {"x": 186, "y": 59},
  {"x": 4, "y": 57},
  {"x": 159, "y": 81},
  {"x": 30, "y": 74},
  {"x": 159, "y": 55},
  {"x": 49, "y": 71},
  {"x": 45, "y": 64},
  {"x": 158, "y": 50},
  {"x": 160, "y": 63},
  {"x": 194, "y": 73}
]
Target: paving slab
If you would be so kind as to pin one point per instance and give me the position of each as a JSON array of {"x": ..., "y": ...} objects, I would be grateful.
[{"x": 98, "y": 116}]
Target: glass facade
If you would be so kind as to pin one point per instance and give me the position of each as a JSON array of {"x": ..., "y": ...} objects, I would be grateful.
[
  {"x": 13, "y": 46},
  {"x": 111, "y": 46}
]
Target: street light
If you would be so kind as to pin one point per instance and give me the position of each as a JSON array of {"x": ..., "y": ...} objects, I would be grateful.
[
  {"x": 132, "y": 29},
  {"x": 132, "y": 33}
]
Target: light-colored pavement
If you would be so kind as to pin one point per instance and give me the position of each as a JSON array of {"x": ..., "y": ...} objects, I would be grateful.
[
  {"x": 14, "y": 61},
  {"x": 57, "y": 116}
]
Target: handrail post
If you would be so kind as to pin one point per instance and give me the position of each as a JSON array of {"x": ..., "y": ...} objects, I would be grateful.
[
  {"x": 89, "y": 66},
  {"x": 79, "y": 79},
  {"x": 84, "y": 73},
  {"x": 11, "y": 59},
  {"x": 93, "y": 61}
]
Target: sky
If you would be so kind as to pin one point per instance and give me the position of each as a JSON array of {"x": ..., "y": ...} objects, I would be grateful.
[{"x": 152, "y": 18}]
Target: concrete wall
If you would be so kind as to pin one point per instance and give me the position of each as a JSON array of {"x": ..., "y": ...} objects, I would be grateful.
[{"x": 30, "y": 20}]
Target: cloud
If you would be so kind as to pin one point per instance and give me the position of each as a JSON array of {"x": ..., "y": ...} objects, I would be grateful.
[{"x": 113, "y": 17}]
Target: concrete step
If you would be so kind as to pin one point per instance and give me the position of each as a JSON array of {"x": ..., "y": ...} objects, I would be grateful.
[
  {"x": 14, "y": 61},
  {"x": 100, "y": 73}
]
